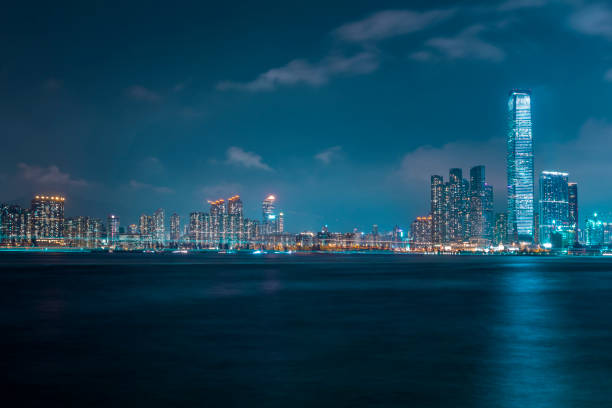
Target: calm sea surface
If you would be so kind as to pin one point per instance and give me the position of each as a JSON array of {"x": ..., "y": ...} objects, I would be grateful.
[{"x": 304, "y": 330}]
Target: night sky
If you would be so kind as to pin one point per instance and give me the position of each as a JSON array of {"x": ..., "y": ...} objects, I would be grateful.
[{"x": 341, "y": 109}]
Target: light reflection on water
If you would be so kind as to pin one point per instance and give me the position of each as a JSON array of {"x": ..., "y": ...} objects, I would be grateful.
[{"x": 324, "y": 331}]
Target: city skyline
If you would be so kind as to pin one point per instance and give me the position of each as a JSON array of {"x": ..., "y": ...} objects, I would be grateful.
[{"x": 130, "y": 119}]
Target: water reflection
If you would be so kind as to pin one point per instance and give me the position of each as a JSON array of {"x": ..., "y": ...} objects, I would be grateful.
[{"x": 529, "y": 356}]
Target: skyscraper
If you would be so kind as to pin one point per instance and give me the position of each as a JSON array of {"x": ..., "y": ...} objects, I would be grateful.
[
  {"x": 269, "y": 216},
  {"x": 13, "y": 225},
  {"x": 481, "y": 205},
  {"x": 112, "y": 229},
  {"x": 280, "y": 223},
  {"x": 572, "y": 190},
  {"x": 175, "y": 228},
  {"x": 146, "y": 228},
  {"x": 48, "y": 219},
  {"x": 218, "y": 212},
  {"x": 236, "y": 221},
  {"x": 520, "y": 167},
  {"x": 159, "y": 234},
  {"x": 437, "y": 210},
  {"x": 457, "y": 205},
  {"x": 197, "y": 229},
  {"x": 594, "y": 231},
  {"x": 500, "y": 233},
  {"x": 420, "y": 232},
  {"x": 554, "y": 205}
]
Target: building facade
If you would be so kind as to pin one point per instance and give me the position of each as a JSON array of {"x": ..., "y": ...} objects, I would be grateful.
[
  {"x": 572, "y": 202},
  {"x": 553, "y": 205},
  {"x": 519, "y": 141},
  {"x": 47, "y": 214}
]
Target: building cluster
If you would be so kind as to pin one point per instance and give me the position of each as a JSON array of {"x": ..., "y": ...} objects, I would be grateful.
[
  {"x": 462, "y": 216},
  {"x": 222, "y": 227},
  {"x": 461, "y": 211}
]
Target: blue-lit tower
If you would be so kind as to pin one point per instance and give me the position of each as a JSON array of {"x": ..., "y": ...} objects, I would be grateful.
[
  {"x": 520, "y": 167},
  {"x": 554, "y": 204}
]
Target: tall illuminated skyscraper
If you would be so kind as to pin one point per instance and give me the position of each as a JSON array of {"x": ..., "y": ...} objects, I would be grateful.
[
  {"x": 269, "y": 216},
  {"x": 554, "y": 205},
  {"x": 175, "y": 228},
  {"x": 437, "y": 210},
  {"x": 280, "y": 224},
  {"x": 572, "y": 189},
  {"x": 236, "y": 221},
  {"x": 112, "y": 229},
  {"x": 457, "y": 205},
  {"x": 481, "y": 205},
  {"x": 218, "y": 212},
  {"x": 160, "y": 227},
  {"x": 520, "y": 167}
]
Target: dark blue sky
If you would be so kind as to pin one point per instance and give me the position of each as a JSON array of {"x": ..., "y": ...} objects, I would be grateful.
[{"x": 342, "y": 109}]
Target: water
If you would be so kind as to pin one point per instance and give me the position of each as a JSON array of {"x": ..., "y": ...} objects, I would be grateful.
[{"x": 305, "y": 330}]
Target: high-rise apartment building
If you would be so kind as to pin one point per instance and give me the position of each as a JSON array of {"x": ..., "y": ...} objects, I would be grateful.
[
  {"x": 47, "y": 214},
  {"x": 112, "y": 229},
  {"x": 175, "y": 228},
  {"x": 146, "y": 229},
  {"x": 438, "y": 229},
  {"x": 235, "y": 236},
  {"x": 14, "y": 225},
  {"x": 457, "y": 202},
  {"x": 159, "y": 231},
  {"x": 519, "y": 156},
  {"x": 268, "y": 215},
  {"x": 420, "y": 232}
]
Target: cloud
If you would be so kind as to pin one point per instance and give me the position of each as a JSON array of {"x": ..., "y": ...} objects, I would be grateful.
[
  {"x": 48, "y": 175},
  {"x": 303, "y": 72},
  {"x": 238, "y": 156},
  {"x": 521, "y": 4},
  {"x": 595, "y": 19},
  {"x": 467, "y": 45},
  {"x": 327, "y": 155},
  {"x": 140, "y": 93},
  {"x": 426, "y": 160},
  {"x": 390, "y": 23},
  {"x": 593, "y": 137},
  {"x": 137, "y": 185}
]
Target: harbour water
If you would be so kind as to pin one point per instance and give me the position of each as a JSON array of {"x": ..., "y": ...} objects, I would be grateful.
[{"x": 356, "y": 330}]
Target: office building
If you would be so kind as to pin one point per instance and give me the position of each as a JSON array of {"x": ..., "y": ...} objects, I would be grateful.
[
  {"x": 481, "y": 205},
  {"x": 594, "y": 231},
  {"x": 500, "y": 233},
  {"x": 553, "y": 205},
  {"x": 572, "y": 202},
  {"x": 520, "y": 167}
]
